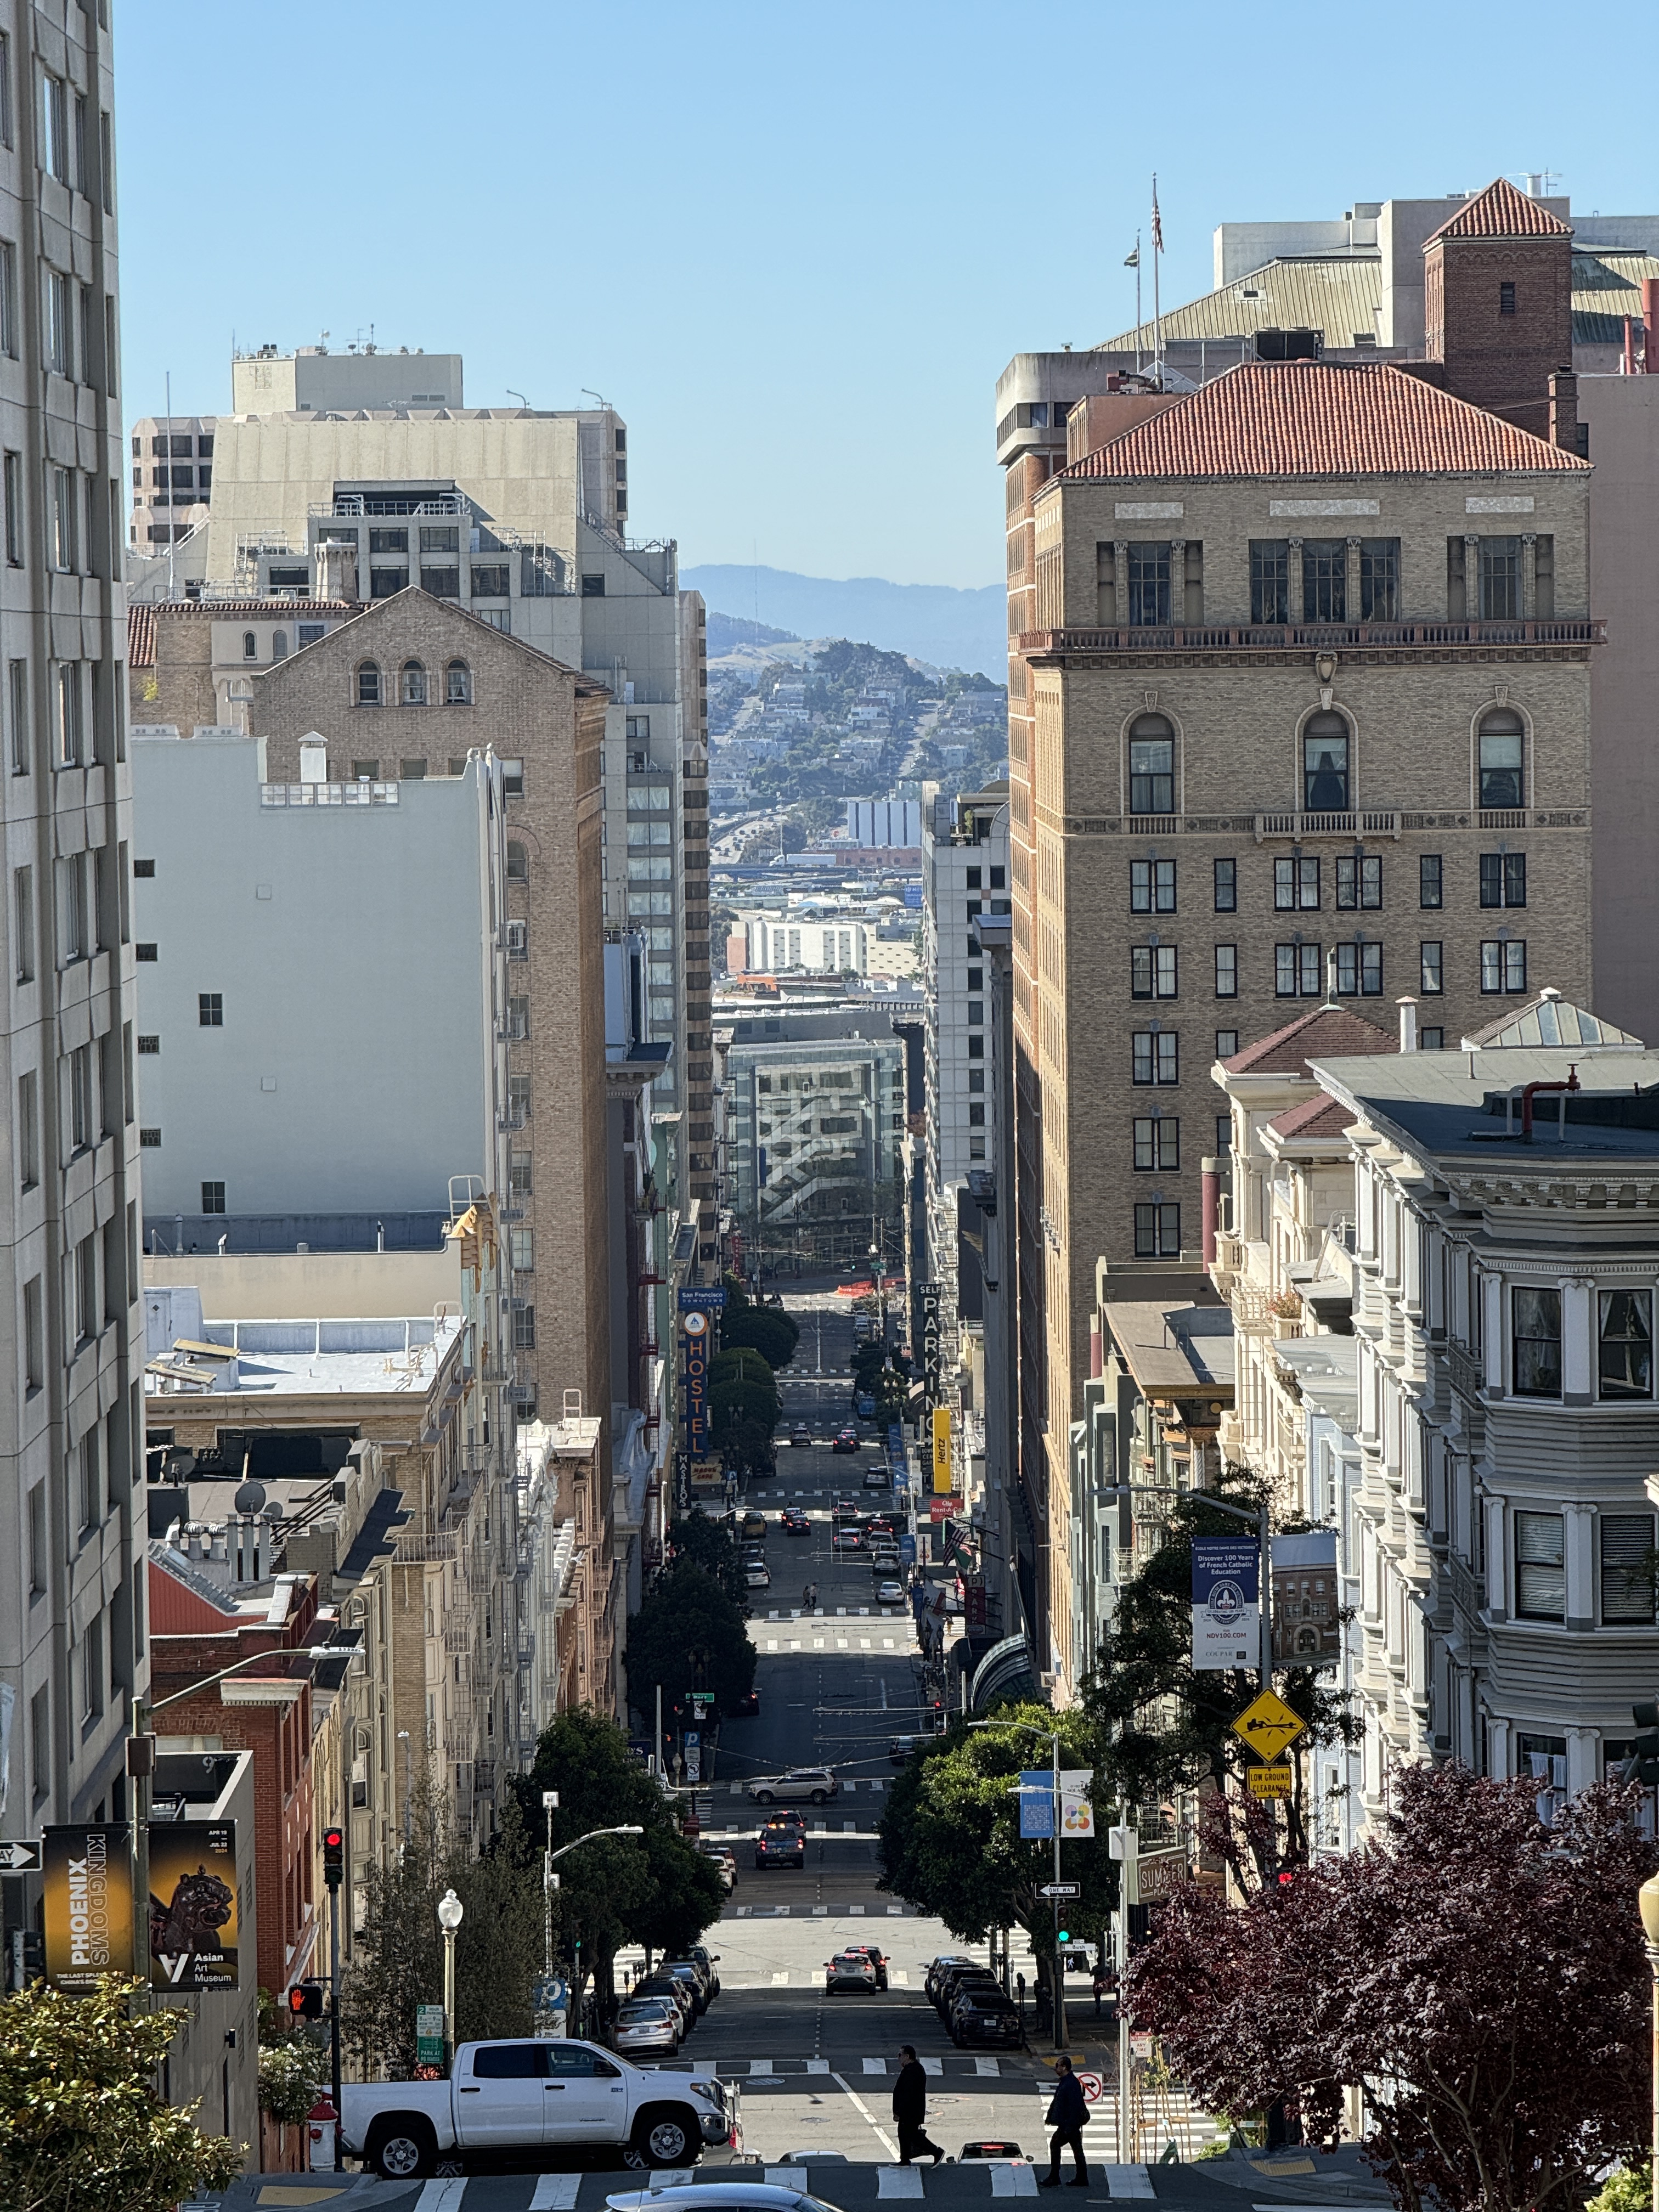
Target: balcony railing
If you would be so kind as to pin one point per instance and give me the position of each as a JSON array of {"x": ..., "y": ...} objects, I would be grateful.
[
  {"x": 1311, "y": 637},
  {"x": 1357, "y": 822}
]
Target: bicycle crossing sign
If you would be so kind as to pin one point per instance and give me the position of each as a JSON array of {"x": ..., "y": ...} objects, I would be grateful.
[{"x": 1268, "y": 1725}]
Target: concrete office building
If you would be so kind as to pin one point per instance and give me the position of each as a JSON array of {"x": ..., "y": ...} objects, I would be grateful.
[
  {"x": 815, "y": 1131},
  {"x": 72, "y": 1652},
  {"x": 839, "y": 946}
]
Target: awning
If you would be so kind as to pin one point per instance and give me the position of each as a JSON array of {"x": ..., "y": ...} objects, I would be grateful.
[{"x": 1004, "y": 1668}]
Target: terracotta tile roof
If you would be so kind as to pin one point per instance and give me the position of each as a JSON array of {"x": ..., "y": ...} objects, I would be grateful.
[
  {"x": 141, "y": 637},
  {"x": 296, "y": 609},
  {"x": 1501, "y": 211},
  {"x": 1318, "y": 1116},
  {"x": 1320, "y": 418},
  {"x": 1327, "y": 1033}
]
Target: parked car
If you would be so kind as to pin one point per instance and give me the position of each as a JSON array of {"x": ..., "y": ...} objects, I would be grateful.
[
  {"x": 890, "y": 1593},
  {"x": 904, "y": 1747},
  {"x": 753, "y": 1523},
  {"x": 876, "y": 1957},
  {"x": 651, "y": 2024},
  {"x": 678, "y": 1994},
  {"x": 725, "y": 1859},
  {"x": 876, "y": 1478},
  {"x": 946, "y": 1960},
  {"x": 848, "y": 1970},
  {"x": 794, "y": 1523},
  {"x": 1003, "y": 2149},
  {"x": 984, "y": 2013},
  {"x": 846, "y": 1440},
  {"x": 780, "y": 1847},
  {"x": 848, "y": 1540},
  {"x": 403, "y": 2129},
  {"x": 695, "y": 1978},
  {"x": 711, "y": 1961},
  {"x": 755, "y": 1576},
  {"x": 800, "y": 1785},
  {"x": 800, "y": 1439},
  {"x": 979, "y": 1979}
]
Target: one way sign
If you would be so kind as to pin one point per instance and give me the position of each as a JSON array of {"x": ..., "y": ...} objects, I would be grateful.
[{"x": 20, "y": 1858}]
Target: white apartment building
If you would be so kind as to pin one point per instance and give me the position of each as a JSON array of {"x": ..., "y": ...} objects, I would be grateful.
[
  {"x": 71, "y": 1498},
  {"x": 839, "y": 945}
]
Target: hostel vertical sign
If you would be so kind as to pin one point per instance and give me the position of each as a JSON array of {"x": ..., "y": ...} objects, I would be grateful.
[
  {"x": 89, "y": 1904},
  {"x": 694, "y": 1381}
]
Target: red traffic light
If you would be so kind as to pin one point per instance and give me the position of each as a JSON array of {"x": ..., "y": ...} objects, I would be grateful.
[
  {"x": 305, "y": 2001},
  {"x": 333, "y": 1857},
  {"x": 334, "y": 1841}
]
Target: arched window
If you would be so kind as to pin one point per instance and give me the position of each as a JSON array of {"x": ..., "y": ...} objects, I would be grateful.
[
  {"x": 458, "y": 688},
  {"x": 414, "y": 683},
  {"x": 518, "y": 864},
  {"x": 1502, "y": 758},
  {"x": 1151, "y": 765},
  {"x": 368, "y": 683},
  {"x": 249, "y": 646},
  {"x": 279, "y": 644},
  {"x": 1325, "y": 779}
]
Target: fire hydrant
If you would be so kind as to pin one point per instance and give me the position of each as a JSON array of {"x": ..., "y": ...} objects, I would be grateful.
[{"x": 323, "y": 2116}]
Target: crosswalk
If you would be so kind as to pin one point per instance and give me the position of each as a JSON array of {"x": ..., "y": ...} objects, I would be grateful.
[
  {"x": 980, "y": 2067},
  {"x": 819, "y": 1912},
  {"x": 1179, "y": 2121},
  {"x": 836, "y": 1612},
  {"x": 971, "y": 2180}
]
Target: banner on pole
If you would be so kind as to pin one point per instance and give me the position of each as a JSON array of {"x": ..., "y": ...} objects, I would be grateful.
[
  {"x": 1226, "y": 1609},
  {"x": 88, "y": 1901},
  {"x": 194, "y": 1906},
  {"x": 1036, "y": 1804},
  {"x": 1077, "y": 1814}
]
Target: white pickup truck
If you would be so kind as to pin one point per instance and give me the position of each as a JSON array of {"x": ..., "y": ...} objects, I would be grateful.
[{"x": 532, "y": 2096}]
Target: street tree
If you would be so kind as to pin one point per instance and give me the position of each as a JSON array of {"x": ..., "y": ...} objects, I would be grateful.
[
  {"x": 1166, "y": 1726},
  {"x": 766, "y": 1329},
  {"x": 709, "y": 1544},
  {"x": 81, "y": 2121},
  {"x": 688, "y": 1635},
  {"x": 950, "y": 1835},
  {"x": 1479, "y": 1975}
]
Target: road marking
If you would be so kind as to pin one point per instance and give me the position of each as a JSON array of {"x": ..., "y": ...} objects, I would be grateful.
[
  {"x": 896, "y": 1913},
  {"x": 876, "y": 2066},
  {"x": 854, "y": 1912},
  {"x": 881, "y": 2134},
  {"x": 786, "y": 2177},
  {"x": 778, "y": 1982},
  {"x": 762, "y": 2066},
  {"x": 899, "y": 1975},
  {"x": 441, "y": 2196},
  {"x": 1013, "y": 2180},
  {"x": 1128, "y": 2181},
  {"x": 554, "y": 2192},
  {"x": 817, "y": 2065},
  {"x": 841, "y": 1640},
  {"x": 987, "y": 2066},
  {"x": 932, "y": 2066},
  {"x": 898, "y": 2181},
  {"x": 864, "y": 1644},
  {"x": 887, "y": 1644},
  {"x": 850, "y": 1828}
]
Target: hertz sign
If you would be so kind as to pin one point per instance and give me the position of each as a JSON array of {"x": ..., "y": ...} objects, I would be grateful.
[{"x": 695, "y": 1335}]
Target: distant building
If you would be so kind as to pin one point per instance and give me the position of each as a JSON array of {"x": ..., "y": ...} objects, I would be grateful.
[
  {"x": 886, "y": 822},
  {"x": 838, "y": 945},
  {"x": 815, "y": 1133}
]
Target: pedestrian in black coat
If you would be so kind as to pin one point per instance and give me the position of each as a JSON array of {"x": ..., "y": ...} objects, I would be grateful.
[
  {"x": 910, "y": 2109},
  {"x": 1068, "y": 2110}
]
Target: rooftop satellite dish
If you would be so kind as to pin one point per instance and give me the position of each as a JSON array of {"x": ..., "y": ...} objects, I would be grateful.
[{"x": 250, "y": 1496}]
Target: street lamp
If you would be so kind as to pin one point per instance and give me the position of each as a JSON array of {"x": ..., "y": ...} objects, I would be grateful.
[
  {"x": 1052, "y": 1735},
  {"x": 1648, "y": 1898},
  {"x": 450, "y": 1913},
  {"x": 550, "y": 1881}
]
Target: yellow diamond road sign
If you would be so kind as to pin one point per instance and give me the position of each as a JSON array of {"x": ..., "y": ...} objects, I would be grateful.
[{"x": 1267, "y": 1725}]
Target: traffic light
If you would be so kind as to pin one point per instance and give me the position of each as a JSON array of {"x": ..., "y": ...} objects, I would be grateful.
[
  {"x": 1063, "y": 1936},
  {"x": 1643, "y": 1764},
  {"x": 305, "y": 2001},
  {"x": 939, "y": 1716},
  {"x": 334, "y": 1856}
]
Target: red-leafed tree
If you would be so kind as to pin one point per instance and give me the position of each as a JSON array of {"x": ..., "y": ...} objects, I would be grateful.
[{"x": 1481, "y": 1977}]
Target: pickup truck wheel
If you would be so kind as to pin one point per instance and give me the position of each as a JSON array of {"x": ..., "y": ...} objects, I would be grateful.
[
  {"x": 667, "y": 2135},
  {"x": 402, "y": 2149}
]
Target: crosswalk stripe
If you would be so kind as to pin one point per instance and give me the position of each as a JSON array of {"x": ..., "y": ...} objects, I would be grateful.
[
  {"x": 780, "y": 1981},
  {"x": 1013, "y": 2180},
  {"x": 817, "y": 2065},
  {"x": 786, "y": 2177},
  {"x": 898, "y": 2181},
  {"x": 875, "y": 2066},
  {"x": 1128, "y": 2181},
  {"x": 554, "y": 2192},
  {"x": 932, "y": 2066},
  {"x": 987, "y": 2066},
  {"x": 442, "y": 2196},
  {"x": 763, "y": 2065}
]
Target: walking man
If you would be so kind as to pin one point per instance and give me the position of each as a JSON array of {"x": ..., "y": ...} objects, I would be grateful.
[
  {"x": 910, "y": 2108},
  {"x": 1067, "y": 2111}
]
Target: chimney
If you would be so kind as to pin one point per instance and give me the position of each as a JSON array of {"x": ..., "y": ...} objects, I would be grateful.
[
  {"x": 1211, "y": 1172},
  {"x": 1564, "y": 410},
  {"x": 1649, "y": 320},
  {"x": 1407, "y": 1023}
]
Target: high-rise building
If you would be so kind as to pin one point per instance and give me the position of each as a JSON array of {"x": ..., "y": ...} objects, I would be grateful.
[{"x": 72, "y": 1537}]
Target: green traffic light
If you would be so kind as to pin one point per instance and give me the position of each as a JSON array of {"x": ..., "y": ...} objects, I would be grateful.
[{"x": 1064, "y": 1937}]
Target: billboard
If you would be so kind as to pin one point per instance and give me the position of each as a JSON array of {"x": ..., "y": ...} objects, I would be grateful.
[
  {"x": 1226, "y": 1617},
  {"x": 694, "y": 1381},
  {"x": 941, "y": 1451},
  {"x": 708, "y": 1478},
  {"x": 1306, "y": 1600},
  {"x": 194, "y": 1915},
  {"x": 88, "y": 1877}
]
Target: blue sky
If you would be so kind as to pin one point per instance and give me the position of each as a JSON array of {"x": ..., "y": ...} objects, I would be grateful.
[{"x": 794, "y": 244}]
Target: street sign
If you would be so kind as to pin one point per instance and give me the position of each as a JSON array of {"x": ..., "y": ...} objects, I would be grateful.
[
  {"x": 1092, "y": 2087},
  {"x": 693, "y": 1739},
  {"x": 1140, "y": 2046},
  {"x": 428, "y": 2035},
  {"x": 1269, "y": 1781},
  {"x": 1159, "y": 1873},
  {"x": 1268, "y": 1725},
  {"x": 1060, "y": 1889},
  {"x": 20, "y": 1858},
  {"x": 552, "y": 1993}
]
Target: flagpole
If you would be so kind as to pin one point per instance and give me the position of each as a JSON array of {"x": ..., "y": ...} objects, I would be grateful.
[
  {"x": 1137, "y": 303},
  {"x": 1158, "y": 312}
]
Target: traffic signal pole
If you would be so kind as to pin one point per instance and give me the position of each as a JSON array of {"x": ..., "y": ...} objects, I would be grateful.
[{"x": 334, "y": 1876}]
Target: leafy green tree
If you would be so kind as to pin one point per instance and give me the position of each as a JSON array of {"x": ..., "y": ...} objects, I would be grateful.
[
  {"x": 80, "y": 2124},
  {"x": 950, "y": 1834},
  {"x": 742, "y": 1394},
  {"x": 710, "y": 1545},
  {"x": 766, "y": 1329},
  {"x": 688, "y": 1635},
  {"x": 1164, "y": 1726}
]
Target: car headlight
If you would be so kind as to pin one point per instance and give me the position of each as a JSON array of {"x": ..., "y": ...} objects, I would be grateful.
[{"x": 703, "y": 2090}]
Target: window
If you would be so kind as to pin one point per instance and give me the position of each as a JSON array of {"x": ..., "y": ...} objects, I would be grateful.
[
  {"x": 40, "y": 1743},
  {"x": 1152, "y": 971},
  {"x": 79, "y": 1088},
  {"x": 520, "y": 1174},
  {"x": 593, "y": 587},
  {"x": 34, "y": 1340},
  {"x": 1270, "y": 581},
  {"x": 210, "y": 1010},
  {"x": 440, "y": 538},
  {"x": 388, "y": 541},
  {"x": 1429, "y": 879},
  {"x": 369, "y": 684},
  {"x": 457, "y": 683},
  {"x": 1626, "y": 1566},
  {"x": 86, "y": 1302},
  {"x": 59, "y": 337},
  {"x": 249, "y": 646},
  {"x": 150, "y": 1139},
  {"x": 1505, "y": 299},
  {"x": 518, "y": 1101},
  {"x": 1504, "y": 963},
  {"x": 1296, "y": 971},
  {"x": 78, "y": 146},
  {"x": 1223, "y": 1132},
  {"x": 1296, "y": 884},
  {"x": 1151, "y": 887},
  {"x": 1151, "y": 765},
  {"x": 1226, "y": 971},
  {"x": 976, "y": 1116},
  {"x": 975, "y": 979},
  {"x": 8, "y": 299},
  {"x": 143, "y": 951},
  {"x": 1541, "y": 1574},
  {"x": 54, "y": 126},
  {"x": 1503, "y": 879},
  {"x": 1325, "y": 765},
  {"x": 1432, "y": 1040},
  {"x": 524, "y": 1329},
  {"x": 14, "y": 488},
  {"x": 1379, "y": 579},
  {"x": 1359, "y": 971},
  {"x": 523, "y": 1251},
  {"x": 23, "y": 909},
  {"x": 92, "y": 1670},
  {"x": 1324, "y": 580},
  {"x": 65, "y": 533},
  {"x": 1430, "y": 969},
  {"x": 492, "y": 582},
  {"x": 1226, "y": 886},
  {"x": 365, "y": 771},
  {"x": 28, "y": 1131},
  {"x": 72, "y": 935},
  {"x": 149, "y": 1041},
  {"x": 512, "y": 779},
  {"x": 213, "y": 1198},
  {"x": 1625, "y": 1339},
  {"x": 1156, "y": 1055},
  {"x": 1149, "y": 583},
  {"x": 1535, "y": 1328},
  {"x": 1157, "y": 1232},
  {"x": 37, "y": 1541},
  {"x": 518, "y": 864},
  {"x": 1502, "y": 781},
  {"x": 385, "y": 584},
  {"x": 1226, "y": 1043},
  {"x": 1158, "y": 1143},
  {"x": 1500, "y": 578},
  {"x": 510, "y": 2061},
  {"x": 414, "y": 684},
  {"x": 279, "y": 644},
  {"x": 1360, "y": 879},
  {"x": 518, "y": 1019},
  {"x": 998, "y": 879}
]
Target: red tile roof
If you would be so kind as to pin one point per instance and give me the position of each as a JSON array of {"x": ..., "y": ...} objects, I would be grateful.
[
  {"x": 1318, "y": 1116},
  {"x": 1501, "y": 211},
  {"x": 1320, "y": 418},
  {"x": 1326, "y": 1033},
  {"x": 141, "y": 637}
]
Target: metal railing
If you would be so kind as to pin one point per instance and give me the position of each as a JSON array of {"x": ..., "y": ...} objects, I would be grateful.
[
  {"x": 1304, "y": 637},
  {"x": 1359, "y": 821}
]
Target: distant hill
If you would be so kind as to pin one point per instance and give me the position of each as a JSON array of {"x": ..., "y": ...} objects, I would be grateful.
[
  {"x": 726, "y": 631},
  {"x": 951, "y": 628}
]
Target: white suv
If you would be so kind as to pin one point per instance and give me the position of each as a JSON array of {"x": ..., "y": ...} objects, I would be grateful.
[{"x": 801, "y": 1785}]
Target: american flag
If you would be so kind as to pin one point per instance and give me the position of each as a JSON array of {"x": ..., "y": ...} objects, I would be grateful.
[{"x": 1158, "y": 221}]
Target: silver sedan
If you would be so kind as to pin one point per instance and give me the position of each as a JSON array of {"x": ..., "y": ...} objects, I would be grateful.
[{"x": 649, "y": 2024}]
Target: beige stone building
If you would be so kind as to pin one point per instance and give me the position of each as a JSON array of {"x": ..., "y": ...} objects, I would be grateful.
[{"x": 1299, "y": 704}]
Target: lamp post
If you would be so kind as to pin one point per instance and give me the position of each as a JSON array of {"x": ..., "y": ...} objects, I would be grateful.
[
  {"x": 1648, "y": 1901},
  {"x": 550, "y": 1881},
  {"x": 1053, "y": 1737},
  {"x": 451, "y": 1912}
]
